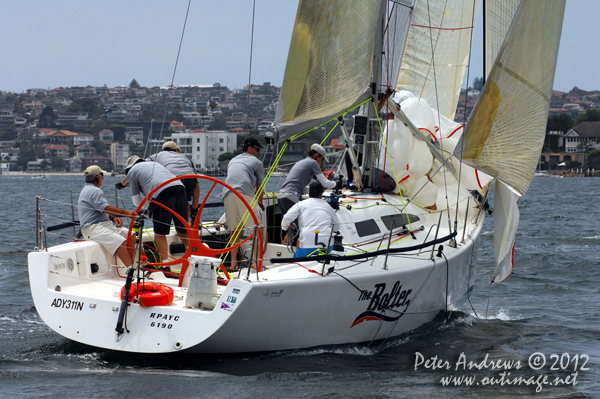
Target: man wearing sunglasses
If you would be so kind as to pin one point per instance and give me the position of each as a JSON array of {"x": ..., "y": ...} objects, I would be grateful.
[
  {"x": 245, "y": 173},
  {"x": 300, "y": 176}
]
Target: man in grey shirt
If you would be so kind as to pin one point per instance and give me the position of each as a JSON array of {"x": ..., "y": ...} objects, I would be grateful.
[
  {"x": 245, "y": 174},
  {"x": 96, "y": 216},
  {"x": 179, "y": 165},
  {"x": 300, "y": 175},
  {"x": 143, "y": 177}
]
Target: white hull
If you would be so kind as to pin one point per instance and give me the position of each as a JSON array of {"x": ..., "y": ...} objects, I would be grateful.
[{"x": 287, "y": 307}]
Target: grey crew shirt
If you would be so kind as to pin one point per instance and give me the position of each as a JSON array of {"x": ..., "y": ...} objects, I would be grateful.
[
  {"x": 90, "y": 206},
  {"x": 143, "y": 177},
  {"x": 244, "y": 172},
  {"x": 174, "y": 162},
  {"x": 301, "y": 175}
]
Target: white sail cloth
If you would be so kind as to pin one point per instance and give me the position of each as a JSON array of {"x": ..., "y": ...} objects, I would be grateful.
[{"x": 506, "y": 222}]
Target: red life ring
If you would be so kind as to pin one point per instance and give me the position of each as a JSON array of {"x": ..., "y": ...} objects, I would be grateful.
[{"x": 150, "y": 294}]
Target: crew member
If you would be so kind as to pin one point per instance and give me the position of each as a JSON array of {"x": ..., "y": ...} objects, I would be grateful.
[
  {"x": 144, "y": 177},
  {"x": 300, "y": 175},
  {"x": 96, "y": 217},
  {"x": 180, "y": 165},
  {"x": 245, "y": 173},
  {"x": 316, "y": 220}
]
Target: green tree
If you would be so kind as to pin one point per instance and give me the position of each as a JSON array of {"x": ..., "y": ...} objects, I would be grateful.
[
  {"x": 57, "y": 163},
  {"x": 134, "y": 84},
  {"x": 26, "y": 154},
  {"x": 591, "y": 115},
  {"x": 119, "y": 131},
  {"x": 99, "y": 146},
  {"x": 478, "y": 83},
  {"x": 97, "y": 126},
  {"x": 562, "y": 122},
  {"x": 218, "y": 123},
  {"x": 47, "y": 117},
  {"x": 88, "y": 105},
  {"x": 593, "y": 159},
  {"x": 74, "y": 107},
  {"x": 226, "y": 156}
]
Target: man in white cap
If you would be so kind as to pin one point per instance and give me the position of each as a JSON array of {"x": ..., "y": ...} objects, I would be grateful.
[
  {"x": 144, "y": 177},
  {"x": 96, "y": 217},
  {"x": 300, "y": 176},
  {"x": 178, "y": 164}
]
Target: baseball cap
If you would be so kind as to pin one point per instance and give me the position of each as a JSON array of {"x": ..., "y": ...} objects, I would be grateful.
[
  {"x": 171, "y": 145},
  {"x": 316, "y": 147},
  {"x": 252, "y": 142},
  {"x": 315, "y": 189},
  {"x": 92, "y": 171},
  {"x": 132, "y": 160}
]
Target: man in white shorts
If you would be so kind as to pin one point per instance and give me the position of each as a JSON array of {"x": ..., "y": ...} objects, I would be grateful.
[{"x": 96, "y": 217}]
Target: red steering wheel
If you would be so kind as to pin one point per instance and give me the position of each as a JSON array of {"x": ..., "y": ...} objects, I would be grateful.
[{"x": 195, "y": 245}]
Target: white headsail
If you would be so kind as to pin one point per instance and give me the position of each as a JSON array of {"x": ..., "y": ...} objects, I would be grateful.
[
  {"x": 437, "y": 52},
  {"x": 506, "y": 131}
]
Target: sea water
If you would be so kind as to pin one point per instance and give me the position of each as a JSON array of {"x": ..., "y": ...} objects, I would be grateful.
[{"x": 539, "y": 327}]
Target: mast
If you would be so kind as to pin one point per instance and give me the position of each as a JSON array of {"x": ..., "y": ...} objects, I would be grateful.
[
  {"x": 484, "y": 47},
  {"x": 371, "y": 139}
]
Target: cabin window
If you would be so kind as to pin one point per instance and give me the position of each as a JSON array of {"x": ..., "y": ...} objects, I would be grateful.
[
  {"x": 367, "y": 228},
  {"x": 398, "y": 220}
]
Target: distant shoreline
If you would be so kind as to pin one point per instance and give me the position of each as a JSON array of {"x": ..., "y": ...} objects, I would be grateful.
[{"x": 46, "y": 174}]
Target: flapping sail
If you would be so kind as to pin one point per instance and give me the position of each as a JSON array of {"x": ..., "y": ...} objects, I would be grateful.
[
  {"x": 506, "y": 222},
  {"x": 506, "y": 131},
  {"x": 437, "y": 52},
  {"x": 330, "y": 62},
  {"x": 499, "y": 15}
]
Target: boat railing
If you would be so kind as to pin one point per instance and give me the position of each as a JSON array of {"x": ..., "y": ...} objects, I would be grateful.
[
  {"x": 42, "y": 228},
  {"x": 119, "y": 199}
]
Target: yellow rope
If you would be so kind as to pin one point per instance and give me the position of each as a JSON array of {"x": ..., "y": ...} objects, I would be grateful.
[
  {"x": 331, "y": 131},
  {"x": 233, "y": 238}
]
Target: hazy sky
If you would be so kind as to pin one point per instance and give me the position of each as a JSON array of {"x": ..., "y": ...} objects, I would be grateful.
[{"x": 47, "y": 44}]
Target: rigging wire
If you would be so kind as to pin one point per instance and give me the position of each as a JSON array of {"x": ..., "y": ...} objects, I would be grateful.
[
  {"x": 250, "y": 68},
  {"x": 162, "y": 125},
  {"x": 465, "y": 112}
]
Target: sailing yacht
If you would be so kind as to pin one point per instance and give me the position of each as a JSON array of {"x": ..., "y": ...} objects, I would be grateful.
[{"x": 410, "y": 221}]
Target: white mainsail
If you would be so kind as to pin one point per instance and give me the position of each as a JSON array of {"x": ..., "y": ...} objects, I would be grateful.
[
  {"x": 330, "y": 62},
  {"x": 437, "y": 52}
]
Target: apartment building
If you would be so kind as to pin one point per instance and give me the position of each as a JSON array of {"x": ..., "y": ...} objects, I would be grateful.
[{"x": 205, "y": 147}]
